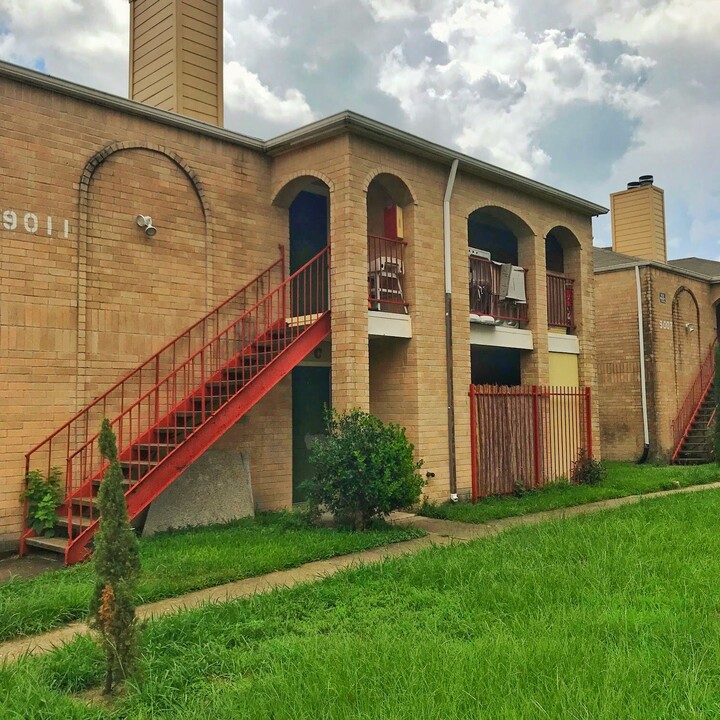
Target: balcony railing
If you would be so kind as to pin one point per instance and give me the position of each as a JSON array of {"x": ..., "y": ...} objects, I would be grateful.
[
  {"x": 386, "y": 274},
  {"x": 485, "y": 294},
  {"x": 560, "y": 301}
]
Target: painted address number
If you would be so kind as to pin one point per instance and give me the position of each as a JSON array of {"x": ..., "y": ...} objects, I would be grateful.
[
  {"x": 32, "y": 223},
  {"x": 665, "y": 325}
]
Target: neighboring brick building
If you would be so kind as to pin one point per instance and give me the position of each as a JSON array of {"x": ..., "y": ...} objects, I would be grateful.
[
  {"x": 86, "y": 295},
  {"x": 679, "y": 324}
]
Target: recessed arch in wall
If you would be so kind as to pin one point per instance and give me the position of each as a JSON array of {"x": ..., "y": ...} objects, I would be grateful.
[{"x": 686, "y": 339}]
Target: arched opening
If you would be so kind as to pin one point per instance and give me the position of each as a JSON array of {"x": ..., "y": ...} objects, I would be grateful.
[
  {"x": 388, "y": 227},
  {"x": 497, "y": 281},
  {"x": 307, "y": 200},
  {"x": 562, "y": 263},
  {"x": 498, "y": 244},
  {"x": 686, "y": 340}
]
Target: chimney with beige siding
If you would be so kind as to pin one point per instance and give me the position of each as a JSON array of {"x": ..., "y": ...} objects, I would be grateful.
[
  {"x": 176, "y": 56},
  {"x": 638, "y": 220}
]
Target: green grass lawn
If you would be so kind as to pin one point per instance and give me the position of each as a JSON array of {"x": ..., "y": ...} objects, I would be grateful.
[
  {"x": 606, "y": 616},
  {"x": 179, "y": 562},
  {"x": 623, "y": 479}
]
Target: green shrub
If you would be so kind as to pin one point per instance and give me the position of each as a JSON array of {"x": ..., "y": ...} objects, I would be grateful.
[
  {"x": 44, "y": 496},
  {"x": 363, "y": 469},
  {"x": 586, "y": 470},
  {"x": 117, "y": 567}
]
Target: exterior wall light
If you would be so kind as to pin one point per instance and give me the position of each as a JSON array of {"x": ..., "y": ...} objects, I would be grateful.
[
  {"x": 146, "y": 223},
  {"x": 689, "y": 328}
]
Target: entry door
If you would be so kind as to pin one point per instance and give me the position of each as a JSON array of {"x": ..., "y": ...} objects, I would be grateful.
[{"x": 310, "y": 395}]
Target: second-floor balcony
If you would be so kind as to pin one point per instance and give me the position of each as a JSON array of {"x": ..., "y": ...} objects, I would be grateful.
[
  {"x": 560, "y": 301},
  {"x": 386, "y": 274},
  {"x": 492, "y": 295}
]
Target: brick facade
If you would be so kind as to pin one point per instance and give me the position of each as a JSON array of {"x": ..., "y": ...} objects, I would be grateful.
[
  {"x": 679, "y": 325},
  {"x": 79, "y": 310}
]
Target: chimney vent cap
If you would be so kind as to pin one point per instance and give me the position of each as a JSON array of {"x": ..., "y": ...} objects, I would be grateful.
[
  {"x": 646, "y": 180},
  {"x": 633, "y": 184}
]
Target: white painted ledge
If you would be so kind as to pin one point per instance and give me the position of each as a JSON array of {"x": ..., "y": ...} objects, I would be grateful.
[
  {"x": 500, "y": 336},
  {"x": 384, "y": 324},
  {"x": 567, "y": 344}
]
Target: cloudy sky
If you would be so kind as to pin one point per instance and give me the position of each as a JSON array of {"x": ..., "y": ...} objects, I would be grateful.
[{"x": 581, "y": 94}]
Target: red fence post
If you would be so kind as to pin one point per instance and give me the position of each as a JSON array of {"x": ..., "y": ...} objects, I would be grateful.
[
  {"x": 588, "y": 420},
  {"x": 473, "y": 442},
  {"x": 536, "y": 435}
]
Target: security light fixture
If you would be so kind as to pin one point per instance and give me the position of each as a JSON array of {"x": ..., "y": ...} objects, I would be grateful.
[
  {"x": 689, "y": 328},
  {"x": 146, "y": 223}
]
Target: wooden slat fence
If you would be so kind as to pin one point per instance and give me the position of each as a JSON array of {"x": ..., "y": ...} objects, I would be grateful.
[{"x": 526, "y": 436}]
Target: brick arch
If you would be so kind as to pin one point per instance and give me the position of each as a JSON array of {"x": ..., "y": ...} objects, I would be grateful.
[
  {"x": 686, "y": 351},
  {"x": 382, "y": 170},
  {"x": 517, "y": 217},
  {"x": 288, "y": 179},
  {"x": 566, "y": 230},
  {"x": 86, "y": 179},
  {"x": 96, "y": 160}
]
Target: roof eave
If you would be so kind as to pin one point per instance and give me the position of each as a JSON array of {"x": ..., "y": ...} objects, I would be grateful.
[
  {"x": 131, "y": 107},
  {"x": 387, "y": 135}
]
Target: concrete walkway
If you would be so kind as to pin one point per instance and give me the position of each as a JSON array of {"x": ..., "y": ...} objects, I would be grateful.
[{"x": 440, "y": 532}]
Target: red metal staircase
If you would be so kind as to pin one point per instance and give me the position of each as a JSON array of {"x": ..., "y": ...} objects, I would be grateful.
[
  {"x": 174, "y": 406},
  {"x": 695, "y": 416}
]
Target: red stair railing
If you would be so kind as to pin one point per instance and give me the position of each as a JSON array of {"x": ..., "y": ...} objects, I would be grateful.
[
  {"x": 61, "y": 445},
  {"x": 693, "y": 400},
  {"x": 246, "y": 347}
]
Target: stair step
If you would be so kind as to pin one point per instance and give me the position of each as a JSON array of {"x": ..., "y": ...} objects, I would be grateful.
[
  {"x": 53, "y": 544},
  {"x": 173, "y": 433},
  {"x": 136, "y": 469},
  {"x": 211, "y": 402},
  {"x": 153, "y": 451},
  {"x": 220, "y": 387},
  {"x": 188, "y": 418},
  {"x": 124, "y": 482},
  {"x": 78, "y": 521}
]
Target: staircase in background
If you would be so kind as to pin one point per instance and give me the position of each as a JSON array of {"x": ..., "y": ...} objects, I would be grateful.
[
  {"x": 174, "y": 406},
  {"x": 690, "y": 427},
  {"x": 696, "y": 446}
]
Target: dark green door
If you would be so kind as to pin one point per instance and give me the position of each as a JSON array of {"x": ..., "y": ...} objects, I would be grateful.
[{"x": 310, "y": 395}]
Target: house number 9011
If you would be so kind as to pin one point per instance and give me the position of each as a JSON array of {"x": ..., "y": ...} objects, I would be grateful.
[
  {"x": 32, "y": 223},
  {"x": 665, "y": 325}
]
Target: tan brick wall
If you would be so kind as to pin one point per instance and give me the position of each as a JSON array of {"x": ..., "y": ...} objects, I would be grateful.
[
  {"x": 618, "y": 363},
  {"x": 77, "y": 312},
  {"x": 673, "y": 355}
]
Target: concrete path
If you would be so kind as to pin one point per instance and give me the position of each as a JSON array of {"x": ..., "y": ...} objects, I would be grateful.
[{"x": 440, "y": 532}]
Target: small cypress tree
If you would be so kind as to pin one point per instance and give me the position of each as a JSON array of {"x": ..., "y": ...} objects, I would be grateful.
[
  {"x": 117, "y": 566},
  {"x": 716, "y": 434}
]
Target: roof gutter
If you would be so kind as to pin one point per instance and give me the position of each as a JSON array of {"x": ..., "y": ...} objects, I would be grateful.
[{"x": 387, "y": 135}]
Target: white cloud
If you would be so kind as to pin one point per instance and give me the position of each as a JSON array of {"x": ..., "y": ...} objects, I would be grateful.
[
  {"x": 391, "y": 10},
  {"x": 244, "y": 92},
  {"x": 501, "y": 86}
]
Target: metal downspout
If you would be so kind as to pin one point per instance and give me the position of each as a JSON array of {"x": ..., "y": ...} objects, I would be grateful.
[
  {"x": 643, "y": 387},
  {"x": 448, "y": 331}
]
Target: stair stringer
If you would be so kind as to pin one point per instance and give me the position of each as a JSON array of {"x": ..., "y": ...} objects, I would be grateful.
[{"x": 140, "y": 495}]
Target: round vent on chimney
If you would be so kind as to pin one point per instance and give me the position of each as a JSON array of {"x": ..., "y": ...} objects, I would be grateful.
[
  {"x": 633, "y": 184},
  {"x": 646, "y": 179}
]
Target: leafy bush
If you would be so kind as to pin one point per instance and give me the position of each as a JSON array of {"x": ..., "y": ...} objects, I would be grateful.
[
  {"x": 44, "y": 496},
  {"x": 586, "y": 470},
  {"x": 716, "y": 425},
  {"x": 363, "y": 469}
]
